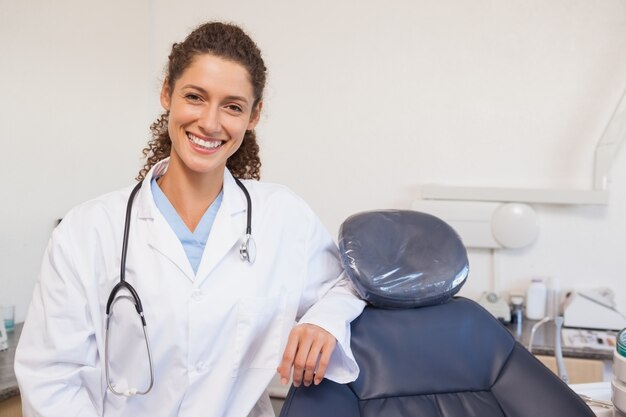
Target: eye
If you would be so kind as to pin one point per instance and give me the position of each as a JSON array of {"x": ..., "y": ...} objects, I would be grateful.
[
  {"x": 194, "y": 98},
  {"x": 235, "y": 108}
]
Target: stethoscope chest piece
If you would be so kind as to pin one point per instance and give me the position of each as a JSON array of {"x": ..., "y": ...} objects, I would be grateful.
[{"x": 247, "y": 250}]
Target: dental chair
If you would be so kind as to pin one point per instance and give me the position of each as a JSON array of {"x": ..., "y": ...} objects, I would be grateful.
[{"x": 423, "y": 352}]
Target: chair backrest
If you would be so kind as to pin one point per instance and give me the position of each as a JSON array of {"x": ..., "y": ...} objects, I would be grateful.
[{"x": 451, "y": 359}]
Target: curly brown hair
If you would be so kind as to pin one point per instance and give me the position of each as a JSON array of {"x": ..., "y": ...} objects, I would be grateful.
[{"x": 225, "y": 41}]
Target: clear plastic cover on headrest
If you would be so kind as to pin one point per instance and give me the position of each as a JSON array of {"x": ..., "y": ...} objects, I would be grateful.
[{"x": 402, "y": 258}]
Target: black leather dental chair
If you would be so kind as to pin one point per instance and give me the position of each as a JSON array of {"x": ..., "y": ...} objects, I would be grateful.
[{"x": 423, "y": 352}]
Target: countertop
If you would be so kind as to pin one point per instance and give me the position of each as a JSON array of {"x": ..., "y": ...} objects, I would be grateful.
[
  {"x": 543, "y": 342},
  {"x": 8, "y": 382}
]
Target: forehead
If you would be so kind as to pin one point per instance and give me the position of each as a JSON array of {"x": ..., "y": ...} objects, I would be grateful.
[{"x": 213, "y": 73}]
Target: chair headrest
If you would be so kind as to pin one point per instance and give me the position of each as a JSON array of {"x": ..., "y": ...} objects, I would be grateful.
[{"x": 402, "y": 258}]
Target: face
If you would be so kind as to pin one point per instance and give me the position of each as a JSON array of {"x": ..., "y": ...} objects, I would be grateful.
[{"x": 210, "y": 109}]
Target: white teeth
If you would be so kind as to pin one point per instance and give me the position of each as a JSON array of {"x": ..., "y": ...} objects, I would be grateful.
[{"x": 209, "y": 144}]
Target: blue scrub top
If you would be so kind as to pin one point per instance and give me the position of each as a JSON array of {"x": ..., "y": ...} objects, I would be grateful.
[{"x": 193, "y": 243}]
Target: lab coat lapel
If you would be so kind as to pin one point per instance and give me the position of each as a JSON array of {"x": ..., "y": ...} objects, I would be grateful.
[
  {"x": 228, "y": 229},
  {"x": 159, "y": 234}
]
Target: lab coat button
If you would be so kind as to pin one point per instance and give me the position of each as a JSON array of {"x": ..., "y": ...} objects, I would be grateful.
[
  {"x": 196, "y": 295},
  {"x": 200, "y": 366}
]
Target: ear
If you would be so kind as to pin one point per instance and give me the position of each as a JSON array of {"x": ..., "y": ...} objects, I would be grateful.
[
  {"x": 255, "y": 116},
  {"x": 166, "y": 95}
]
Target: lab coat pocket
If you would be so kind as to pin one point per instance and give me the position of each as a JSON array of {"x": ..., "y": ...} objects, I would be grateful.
[{"x": 259, "y": 333}]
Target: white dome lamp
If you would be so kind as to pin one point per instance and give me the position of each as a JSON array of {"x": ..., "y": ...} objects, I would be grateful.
[{"x": 515, "y": 225}]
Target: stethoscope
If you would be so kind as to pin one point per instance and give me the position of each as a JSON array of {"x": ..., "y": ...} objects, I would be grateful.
[{"x": 247, "y": 253}]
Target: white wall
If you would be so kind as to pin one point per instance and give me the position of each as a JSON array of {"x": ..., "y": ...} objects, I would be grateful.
[
  {"x": 365, "y": 102},
  {"x": 75, "y": 105}
]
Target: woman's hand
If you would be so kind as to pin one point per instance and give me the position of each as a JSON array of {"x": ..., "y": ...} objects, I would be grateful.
[{"x": 309, "y": 346}]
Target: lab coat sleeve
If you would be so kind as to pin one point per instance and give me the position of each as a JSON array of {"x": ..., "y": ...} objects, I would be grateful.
[
  {"x": 56, "y": 361},
  {"x": 330, "y": 301}
]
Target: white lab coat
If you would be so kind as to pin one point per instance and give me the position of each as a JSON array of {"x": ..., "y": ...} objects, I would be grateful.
[{"x": 216, "y": 337}]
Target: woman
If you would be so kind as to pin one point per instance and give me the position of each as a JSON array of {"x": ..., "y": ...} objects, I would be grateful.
[{"x": 218, "y": 327}]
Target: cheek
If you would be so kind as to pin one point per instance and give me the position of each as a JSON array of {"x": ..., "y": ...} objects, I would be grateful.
[
  {"x": 237, "y": 128},
  {"x": 173, "y": 132},
  {"x": 235, "y": 148},
  {"x": 182, "y": 115},
  {"x": 239, "y": 142}
]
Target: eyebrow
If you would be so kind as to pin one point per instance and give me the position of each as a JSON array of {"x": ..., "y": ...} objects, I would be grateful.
[{"x": 235, "y": 98}]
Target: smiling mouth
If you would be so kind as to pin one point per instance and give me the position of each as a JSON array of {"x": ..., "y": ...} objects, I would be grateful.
[{"x": 206, "y": 144}]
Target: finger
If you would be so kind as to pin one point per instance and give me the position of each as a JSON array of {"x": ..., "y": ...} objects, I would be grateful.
[
  {"x": 284, "y": 369},
  {"x": 311, "y": 360},
  {"x": 304, "y": 347},
  {"x": 327, "y": 351}
]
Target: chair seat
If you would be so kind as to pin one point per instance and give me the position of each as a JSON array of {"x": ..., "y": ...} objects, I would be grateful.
[{"x": 448, "y": 360}]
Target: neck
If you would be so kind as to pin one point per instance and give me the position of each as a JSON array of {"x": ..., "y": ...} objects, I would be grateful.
[{"x": 190, "y": 193}]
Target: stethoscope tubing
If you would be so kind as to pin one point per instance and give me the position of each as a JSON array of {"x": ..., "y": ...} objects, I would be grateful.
[
  {"x": 131, "y": 391},
  {"x": 249, "y": 204},
  {"x": 244, "y": 251}
]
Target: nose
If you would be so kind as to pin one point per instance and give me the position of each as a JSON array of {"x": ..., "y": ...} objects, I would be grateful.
[{"x": 209, "y": 120}]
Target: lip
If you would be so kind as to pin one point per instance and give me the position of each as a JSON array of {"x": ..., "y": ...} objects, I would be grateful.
[{"x": 202, "y": 149}]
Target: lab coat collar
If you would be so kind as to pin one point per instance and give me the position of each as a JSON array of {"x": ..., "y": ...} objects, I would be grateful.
[{"x": 228, "y": 228}]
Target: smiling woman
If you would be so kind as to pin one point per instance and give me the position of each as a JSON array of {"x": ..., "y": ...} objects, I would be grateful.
[
  {"x": 211, "y": 107},
  {"x": 204, "y": 110},
  {"x": 212, "y": 330},
  {"x": 232, "y": 45}
]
